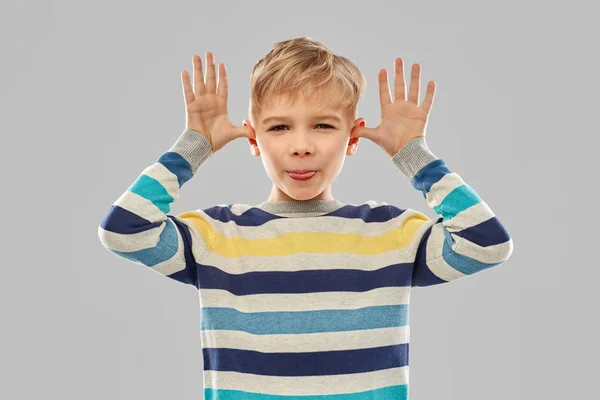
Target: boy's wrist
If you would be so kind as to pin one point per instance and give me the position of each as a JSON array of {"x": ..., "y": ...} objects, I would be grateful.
[
  {"x": 413, "y": 156},
  {"x": 194, "y": 147}
]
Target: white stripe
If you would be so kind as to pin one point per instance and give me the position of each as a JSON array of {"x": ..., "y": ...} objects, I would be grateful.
[
  {"x": 132, "y": 242},
  {"x": 165, "y": 177},
  {"x": 306, "y": 385},
  {"x": 337, "y": 300},
  {"x": 305, "y": 342},
  {"x": 469, "y": 217},
  {"x": 439, "y": 190}
]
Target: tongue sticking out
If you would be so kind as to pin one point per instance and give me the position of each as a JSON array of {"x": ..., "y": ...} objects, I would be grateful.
[{"x": 304, "y": 175}]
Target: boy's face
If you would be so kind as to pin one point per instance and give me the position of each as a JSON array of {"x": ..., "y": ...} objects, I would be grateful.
[{"x": 301, "y": 139}]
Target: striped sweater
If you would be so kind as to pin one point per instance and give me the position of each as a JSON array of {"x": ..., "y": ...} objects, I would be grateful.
[{"x": 307, "y": 299}]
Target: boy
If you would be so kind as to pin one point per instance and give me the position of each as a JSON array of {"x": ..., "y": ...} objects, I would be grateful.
[{"x": 302, "y": 295}]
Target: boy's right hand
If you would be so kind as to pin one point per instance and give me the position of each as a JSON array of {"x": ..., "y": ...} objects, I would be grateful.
[{"x": 206, "y": 104}]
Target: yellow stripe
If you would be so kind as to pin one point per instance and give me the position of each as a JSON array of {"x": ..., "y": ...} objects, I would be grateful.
[
  {"x": 311, "y": 242},
  {"x": 202, "y": 226}
]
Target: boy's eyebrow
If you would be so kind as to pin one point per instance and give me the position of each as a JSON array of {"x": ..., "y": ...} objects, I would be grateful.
[{"x": 282, "y": 118}]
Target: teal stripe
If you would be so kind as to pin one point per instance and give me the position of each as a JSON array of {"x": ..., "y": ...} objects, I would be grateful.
[
  {"x": 295, "y": 322},
  {"x": 462, "y": 263},
  {"x": 151, "y": 189},
  {"x": 459, "y": 199},
  {"x": 398, "y": 392},
  {"x": 165, "y": 249}
]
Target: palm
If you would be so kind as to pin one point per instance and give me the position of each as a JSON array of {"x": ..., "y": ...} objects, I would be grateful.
[
  {"x": 208, "y": 108},
  {"x": 207, "y": 103},
  {"x": 401, "y": 121}
]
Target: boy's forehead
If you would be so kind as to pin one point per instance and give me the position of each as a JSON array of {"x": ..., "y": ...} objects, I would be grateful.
[{"x": 316, "y": 104}]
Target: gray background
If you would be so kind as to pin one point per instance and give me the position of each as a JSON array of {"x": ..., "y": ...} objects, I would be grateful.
[{"x": 91, "y": 95}]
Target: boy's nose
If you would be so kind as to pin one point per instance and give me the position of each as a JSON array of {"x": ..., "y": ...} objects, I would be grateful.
[{"x": 303, "y": 148}]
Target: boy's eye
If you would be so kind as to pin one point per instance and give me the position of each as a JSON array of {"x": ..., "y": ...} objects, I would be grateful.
[{"x": 277, "y": 126}]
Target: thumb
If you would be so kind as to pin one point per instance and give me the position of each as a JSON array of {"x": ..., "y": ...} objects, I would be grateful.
[
  {"x": 244, "y": 131},
  {"x": 362, "y": 131}
]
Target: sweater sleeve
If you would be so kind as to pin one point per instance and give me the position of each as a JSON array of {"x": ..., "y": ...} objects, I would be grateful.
[
  {"x": 138, "y": 226},
  {"x": 466, "y": 239}
]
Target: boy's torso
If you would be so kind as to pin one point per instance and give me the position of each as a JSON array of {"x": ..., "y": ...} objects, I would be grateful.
[{"x": 320, "y": 297}]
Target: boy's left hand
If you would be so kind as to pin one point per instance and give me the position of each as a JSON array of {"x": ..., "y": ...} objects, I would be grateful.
[{"x": 401, "y": 120}]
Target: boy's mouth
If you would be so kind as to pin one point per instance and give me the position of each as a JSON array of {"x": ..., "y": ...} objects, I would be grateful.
[{"x": 301, "y": 174}]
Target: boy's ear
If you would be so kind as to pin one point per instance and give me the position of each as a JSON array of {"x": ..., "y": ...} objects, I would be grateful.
[
  {"x": 252, "y": 141},
  {"x": 353, "y": 142}
]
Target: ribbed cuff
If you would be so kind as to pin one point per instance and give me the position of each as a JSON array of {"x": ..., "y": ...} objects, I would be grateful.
[
  {"x": 194, "y": 147},
  {"x": 413, "y": 156}
]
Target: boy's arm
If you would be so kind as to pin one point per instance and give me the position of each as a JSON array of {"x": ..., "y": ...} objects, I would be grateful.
[
  {"x": 137, "y": 226},
  {"x": 466, "y": 239}
]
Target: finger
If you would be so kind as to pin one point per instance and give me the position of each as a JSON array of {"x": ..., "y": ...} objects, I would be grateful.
[
  {"x": 211, "y": 81},
  {"x": 428, "y": 101},
  {"x": 413, "y": 94},
  {"x": 198, "y": 78},
  {"x": 384, "y": 88},
  {"x": 222, "y": 82},
  {"x": 188, "y": 93},
  {"x": 399, "y": 82}
]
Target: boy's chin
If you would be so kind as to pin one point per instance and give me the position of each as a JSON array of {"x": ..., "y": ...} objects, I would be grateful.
[{"x": 300, "y": 194}]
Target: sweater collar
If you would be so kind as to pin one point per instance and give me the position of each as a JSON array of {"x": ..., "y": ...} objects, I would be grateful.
[{"x": 300, "y": 206}]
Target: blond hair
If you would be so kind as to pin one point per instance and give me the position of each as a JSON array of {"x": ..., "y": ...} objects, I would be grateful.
[{"x": 301, "y": 67}]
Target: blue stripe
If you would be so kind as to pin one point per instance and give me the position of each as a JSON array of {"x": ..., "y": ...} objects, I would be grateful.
[
  {"x": 462, "y": 263},
  {"x": 164, "y": 250},
  {"x": 430, "y": 174},
  {"x": 398, "y": 392},
  {"x": 458, "y": 200},
  {"x": 152, "y": 190},
  {"x": 306, "y": 281},
  {"x": 178, "y": 165},
  {"x": 296, "y": 322},
  {"x": 329, "y": 362}
]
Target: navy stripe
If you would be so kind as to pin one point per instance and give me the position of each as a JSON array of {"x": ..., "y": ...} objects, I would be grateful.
[
  {"x": 120, "y": 220},
  {"x": 188, "y": 275},
  {"x": 257, "y": 217},
  {"x": 330, "y": 280},
  {"x": 486, "y": 233},
  {"x": 331, "y": 362},
  {"x": 422, "y": 275}
]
